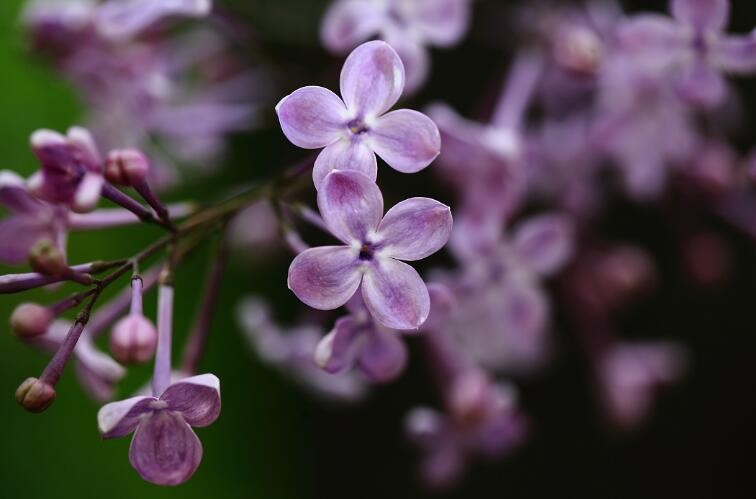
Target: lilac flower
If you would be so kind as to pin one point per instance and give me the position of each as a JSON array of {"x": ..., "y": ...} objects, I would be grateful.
[
  {"x": 358, "y": 340},
  {"x": 292, "y": 351},
  {"x": 409, "y": 26},
  {"x": 694, "y": 45},
  {"x": 71, "y": 171},
  {"x": 134, "y": 338},
  {"x": 630, "y": 376},
  {"x": 484, "y": 420},
  {"x": 355, "y": 129},
  {"x": 352, "y": 206},
  {"x": 121, "y": 19},
  {"x": 165, "y": 450}
]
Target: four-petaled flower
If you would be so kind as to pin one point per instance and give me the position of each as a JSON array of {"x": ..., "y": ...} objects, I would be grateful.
[
  {"x": 352, "y": 206},
  {"x": 165, "y": 449},
  {"x": 355, "y": 129}
]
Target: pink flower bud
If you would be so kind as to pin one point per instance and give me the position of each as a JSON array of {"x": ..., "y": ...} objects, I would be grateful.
[
  {"x": 47, "y": 259},
  {"x": 30, "y": 320},
  {"x": 133, "y": 340},
  {"x": 35, "y": 395},
  {"x": 469, "y": 397},
  {"x": 126, "y": 167}
]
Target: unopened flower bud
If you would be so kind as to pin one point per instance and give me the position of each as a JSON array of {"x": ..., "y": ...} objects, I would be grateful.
[
  {"x": 30, "y": 320},
  {"x": 35, "y": 395},
  {"x": 46, "y": 258},
  {"x": 133, "y": 340},
  {"x": 126, "y": 167},
  {"x": 470, "y": 396}
]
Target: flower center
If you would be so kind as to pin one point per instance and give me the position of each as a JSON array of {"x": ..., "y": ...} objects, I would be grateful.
[
  {"x": 366, "y": 252},
  {"x": 357, "y": 126}
]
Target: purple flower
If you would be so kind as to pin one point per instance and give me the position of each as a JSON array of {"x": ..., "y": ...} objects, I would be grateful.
[
  {"x": 351, "y": 204},
  {"x": 357, "y": 340},
  {"x": 694, "y": 44},
  {"x": 165, "y": 449},
  {"x": 292, "y": 351},
  {"x": 121, "y": 19},
  {"x": 355, "y": 129},
  {"x": 71, "y": 171},
  {"x": 407, "y": 25}
]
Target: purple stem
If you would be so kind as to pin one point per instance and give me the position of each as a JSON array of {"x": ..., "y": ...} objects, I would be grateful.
[
  {"x": 54, "y": 370},
  {"x": 13, "y": 283},
  {"x": 116, "y": 217},
  {"x": 519, "y": 88},
  {"x": 136, "y": 295},
  {"x": 161, "y": 377},
  {"x": 119, "y": 198},
  {"x": 145, "y": 191}
]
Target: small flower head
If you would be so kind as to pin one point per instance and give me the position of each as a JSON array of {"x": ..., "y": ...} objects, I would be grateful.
[
  {"x": 373, "y": 248},
  {"x": 133, "y": 340},
  {"x": 35, "y": 395},
  {"x": 127, "y": 167},
  {"x": 356, "y": 127},
  {"x": 30, "y": 320},
  {"x": 165, "y": 449}
]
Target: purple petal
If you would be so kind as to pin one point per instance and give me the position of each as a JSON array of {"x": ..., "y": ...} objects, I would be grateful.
[
  {"x": 414, "y": 56},
  {"x": 383, "y": 356},
  {"x": 545, "y": 243},
  {"x": 702, "y": 14},
  {"x": 372, "y": 79},
  {"x": 396, "y": 295},
  {"x": 118, "y": 419},
  {"x": 19, "y": 234},
  {"x": 196, "y": 398},
  {"x": 702, "y": 85},
  {"x": 405, "y": 139},
  {"x": 440, "y": 22},
  {"x": 345, "y": 154},
  {"x": 312, "y": 117},
  {"x": 120, "y": 19},
  {"x": 347, "y": 23},
  {"x": 98, "y": 373},
  {"x": 165, "y": 450},
  {"x": 415, "y": 229},
  {"x": 351, "y": 205},
  {"x": 325, "y": 278},
  {"x": 652, "y": 35},
  {"x": 736, "y": 54},
  {"x": 15, "y": 196},
  {"x": 337, "y": 351},
  {"x": 88, "y": 193}
]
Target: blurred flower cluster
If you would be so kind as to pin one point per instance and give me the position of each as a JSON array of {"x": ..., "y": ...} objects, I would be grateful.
[{"x": 597, "y": 105}]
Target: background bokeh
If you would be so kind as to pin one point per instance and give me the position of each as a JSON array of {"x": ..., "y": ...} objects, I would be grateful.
[{"x": 275, "y": 442}]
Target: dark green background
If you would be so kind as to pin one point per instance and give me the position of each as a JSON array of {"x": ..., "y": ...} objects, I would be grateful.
[{"x": 272, "y": 441}]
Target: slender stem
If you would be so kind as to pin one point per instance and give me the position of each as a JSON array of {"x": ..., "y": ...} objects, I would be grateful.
[
  {"x": 117, "y": 217},
  {"x": 161, "y": 377},
  {"x": 145, "y": 191},
  {"x": 119, "y": 198},
  {"x": 519, "y": 88},
  {"x": 136, "y": 295}
]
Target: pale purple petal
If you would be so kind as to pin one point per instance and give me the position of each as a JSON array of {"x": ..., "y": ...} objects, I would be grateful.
[
  {"x": 383, "y": 356},
  {"x": 441, "y": 22},
  {"x": 405, "y": 139},
  {"x": 165, "y": 450},
  {"x": 197, "y": 399},
  {"x": 312, "y": 117},
  {"x": 88, "y": 193},
  {"x": 345, "y": 154},
  {"x": 118, "y": 419},
  {"x": 545, "y": 243},
  {"x": 653, "y": 36},
  {"x": 19, "y": 234},
  {"x": 415, "y": 229},
  {"x": 414, "y": 56},
  {"x": 351, "y": 205},
  {"x": 15, "y": 196},
  {"x": 348, "y": 23},
  {"x": 372, "y": 79},
  {"x": 337, "y": 351},
  {"x": 396, "y": 295},
  {"x": 325, "y": 278},
  {"x": 120, "y": 19},
  {"x": 702, "y": 85},
  {"x": 736, "y": 54},
  {"x": 702, "y": 14}
]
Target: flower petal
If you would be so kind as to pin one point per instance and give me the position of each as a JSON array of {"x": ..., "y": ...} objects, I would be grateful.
[
  {"x": 345, "y": 154},
  {"x": 325, "y": 278},
  {"x": 736, "y": 54},
  {"x": 337, "y": 351},
  {"x": 88, "y": 193},
  {"x": 653, "y": 36},
  {"x": 702, "y": 14},
  {"x": 440, "y": 22},
  {"x": 415, "y": 229},
  {"x": 396, "y": 295},
  {"x": 19, "y": 234},
  {"x": 414, "y": 56},
  {"x": 405, "y": 139},
  {"x": 15, "y": 196},
  {"x": 165, "y": 450},
  {"x": 351, "y": 205},
  {"x": 372, "y": 79},
  {"x": 544, "y": 243},
  {"x": 123, "y": 19},
  {"x": 702, "y": 85},
  {"x": 347, "y": 23},
  {"x": 312, "y": 117},
  {"x": 118, "y": 419},
  {"x": 197, "y": 399},
  {"x": 383, "y": 355}
]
